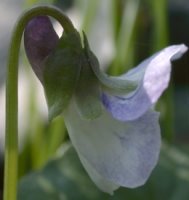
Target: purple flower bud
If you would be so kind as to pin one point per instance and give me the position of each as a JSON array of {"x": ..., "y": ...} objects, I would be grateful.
[{"x": 40, "y": 39}]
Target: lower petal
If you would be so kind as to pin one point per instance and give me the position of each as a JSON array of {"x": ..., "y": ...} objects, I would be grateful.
[
  {"x": 120, "y": 153},
  {"x": 101, "y": 182}
]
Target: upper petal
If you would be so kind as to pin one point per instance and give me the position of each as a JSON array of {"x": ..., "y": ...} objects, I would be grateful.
[
  {"x": 121, "y": 153},
  {"x": 153, "y": 76},
  {"x": 40, "y": 39}
]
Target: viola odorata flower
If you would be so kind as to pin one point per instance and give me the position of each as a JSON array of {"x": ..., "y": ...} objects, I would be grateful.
[{"x": 111, "y": 121}]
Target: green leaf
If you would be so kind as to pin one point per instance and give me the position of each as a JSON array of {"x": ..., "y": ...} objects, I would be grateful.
[
  {"x": 62, "y": 178},
  {"x": 65, "y": 179},
  {"x": 61, "y": 72}
]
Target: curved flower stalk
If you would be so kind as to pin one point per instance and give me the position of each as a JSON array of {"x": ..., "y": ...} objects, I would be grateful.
[
  {"x": 11, "y": 140},
  {"x": 110, "y": 120}
]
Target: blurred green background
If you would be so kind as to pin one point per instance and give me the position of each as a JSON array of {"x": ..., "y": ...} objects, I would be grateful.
[{"x": 121, "y": 33}]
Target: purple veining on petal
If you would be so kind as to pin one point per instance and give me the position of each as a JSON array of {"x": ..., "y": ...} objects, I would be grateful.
[
  {"x": 40, "y": 39},
  {"x": 153, "y": 75}
]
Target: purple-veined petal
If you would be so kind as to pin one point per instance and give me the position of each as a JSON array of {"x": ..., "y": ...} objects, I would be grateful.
[
  {"x": 40, "y": 39},
  {"x": 120, "y": 153},
  {"x": 153, "y": 76}
]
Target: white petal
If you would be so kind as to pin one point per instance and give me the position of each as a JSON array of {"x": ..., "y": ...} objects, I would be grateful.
[
  {"x": 153, "y": 76},
  {"x": 120, "y": 153},
  {"x": 102, "y": 183}
]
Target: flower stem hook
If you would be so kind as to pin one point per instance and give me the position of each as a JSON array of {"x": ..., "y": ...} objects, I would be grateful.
[{"x": 11, "y": 146}]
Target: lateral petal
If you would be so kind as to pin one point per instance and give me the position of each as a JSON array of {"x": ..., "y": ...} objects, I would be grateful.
[{"x": 153, "y": 76}]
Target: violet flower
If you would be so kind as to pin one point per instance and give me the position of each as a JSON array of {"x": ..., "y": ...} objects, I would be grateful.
[{"x": 110, "y": 120}]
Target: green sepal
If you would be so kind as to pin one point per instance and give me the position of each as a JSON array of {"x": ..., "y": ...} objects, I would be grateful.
[
  {"x": 61, "y": 73},
  {"x": 88, "y": 92},
  {"x": 110, "y": 83}
]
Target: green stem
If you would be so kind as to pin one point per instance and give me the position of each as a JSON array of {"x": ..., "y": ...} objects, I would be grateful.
[
  {"x": 90, "y": 12},
  {"x": 160, "y": 35},
  {"x": 159, "y": 10},
  {"x": 11, "y": 146},
  {"x": 125, "y": 36}
]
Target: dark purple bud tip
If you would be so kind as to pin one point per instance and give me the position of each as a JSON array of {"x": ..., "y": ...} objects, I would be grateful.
[{"x": 40, "y": 39}]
